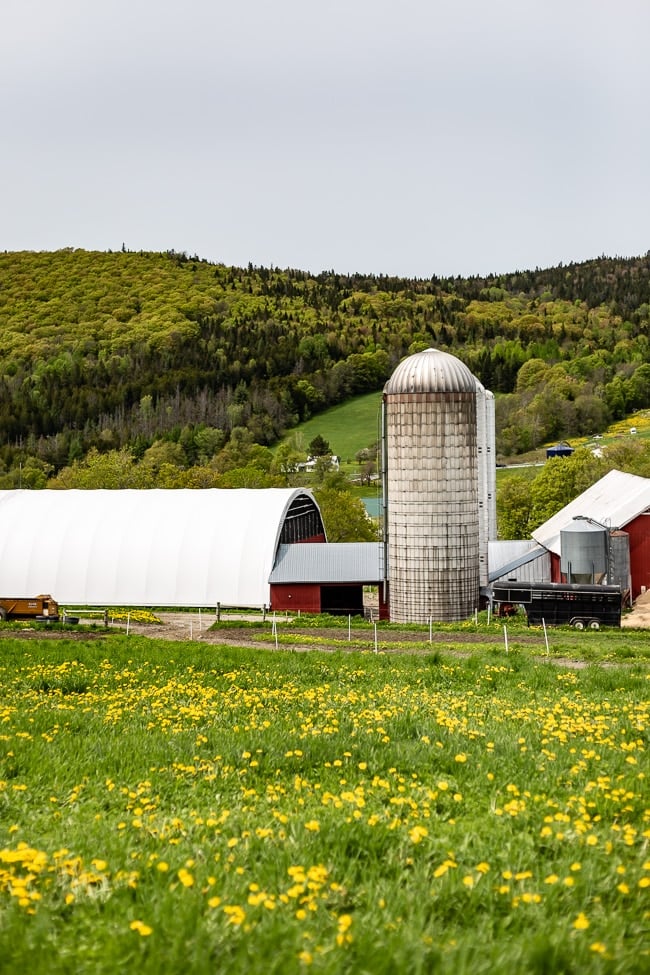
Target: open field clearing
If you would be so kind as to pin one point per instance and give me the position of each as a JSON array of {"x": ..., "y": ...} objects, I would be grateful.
[{"x": 196, "y": 807}]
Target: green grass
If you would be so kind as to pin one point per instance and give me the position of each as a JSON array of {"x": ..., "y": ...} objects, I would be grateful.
[
  {"x": 348, "y": 427},
  {"x": 196, "y": 808}
]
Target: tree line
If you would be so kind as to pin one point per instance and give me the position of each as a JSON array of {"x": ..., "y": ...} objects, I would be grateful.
[{"x": 110, "y": 351}]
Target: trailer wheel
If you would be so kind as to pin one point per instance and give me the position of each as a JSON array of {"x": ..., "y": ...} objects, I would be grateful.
[
  {"x": 578, "y": 624},
  {"x": 594, "y": 625},
  {"x": 3, "y": 614}
]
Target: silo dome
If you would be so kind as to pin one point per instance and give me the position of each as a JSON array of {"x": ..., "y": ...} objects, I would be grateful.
[
  {"x": 431, "y": 371},
  {"x": 431, "y": 459}
]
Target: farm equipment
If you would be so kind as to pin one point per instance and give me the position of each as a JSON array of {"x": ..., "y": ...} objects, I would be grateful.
[{"x": 43, "y": 609}]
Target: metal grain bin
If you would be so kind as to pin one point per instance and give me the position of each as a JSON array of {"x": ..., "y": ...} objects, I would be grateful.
[{"x": 584, "y": 551}]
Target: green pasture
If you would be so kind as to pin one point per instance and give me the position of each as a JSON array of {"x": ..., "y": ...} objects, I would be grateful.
[
  {"x": 351, "y": 426},
  {"x": 201, "y": 808},
  {"x": 348, "y": 428}
]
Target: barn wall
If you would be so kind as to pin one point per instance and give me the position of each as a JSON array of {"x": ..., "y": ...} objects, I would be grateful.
[
  {"x": 556, "y": 573},
  {"x": 639, "y": 532},
  {"x": 384, "y": 602},
  {"x": 296, "y": 596}
]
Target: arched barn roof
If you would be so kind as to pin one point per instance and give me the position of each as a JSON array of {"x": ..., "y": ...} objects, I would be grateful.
[{"x": 149, "y": 547}]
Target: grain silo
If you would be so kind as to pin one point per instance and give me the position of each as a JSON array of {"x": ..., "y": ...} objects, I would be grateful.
[
  {"x": 487, "y": 486},
  {"x": 431, "y": 477}
]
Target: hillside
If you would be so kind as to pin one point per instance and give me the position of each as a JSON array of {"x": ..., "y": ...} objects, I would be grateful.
[{"x": 120, "y": 350}]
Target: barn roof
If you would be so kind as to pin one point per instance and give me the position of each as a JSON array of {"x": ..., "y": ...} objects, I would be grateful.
[
  {"x": 614, "y": 501},
  {"x": 340, "y": 562},
  {"x": 144, "y": 547}
]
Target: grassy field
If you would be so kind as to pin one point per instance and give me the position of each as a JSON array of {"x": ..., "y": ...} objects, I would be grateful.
[
  {"x": 347, "y": 428},
  {"x": 199, "y": 808},
  {"x": 354, "y": 425}
]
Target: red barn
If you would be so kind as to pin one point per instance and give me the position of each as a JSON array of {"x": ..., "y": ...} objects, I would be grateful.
[{"x": 619, "y": 502}]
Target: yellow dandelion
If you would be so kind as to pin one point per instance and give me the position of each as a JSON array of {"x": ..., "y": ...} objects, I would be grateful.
[
  {"x": 236, "y": 915},
  {"x": 313, "y": 826},
  {"x": 598, "y": 947},
  {"x": 581, "y": 923},
  {"x": 143, "y": 929},
  {"x": 418, "y": 833},
  {"x": 185, "y": 877},
  {"x": 460, "y": 758}
]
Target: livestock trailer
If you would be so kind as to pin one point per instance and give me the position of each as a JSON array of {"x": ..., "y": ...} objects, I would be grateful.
[{"x": 556, "y": 603}]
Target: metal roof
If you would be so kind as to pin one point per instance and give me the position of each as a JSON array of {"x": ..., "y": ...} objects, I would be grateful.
[
  {"x": 431, "y": 371},
  {"x": 614, "y": 501},
  {"x": 143, "y": 548},
  {"x": 337, "y": 562}
]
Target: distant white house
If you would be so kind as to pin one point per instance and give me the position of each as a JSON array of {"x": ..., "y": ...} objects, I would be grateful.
[{"x": 310, "y": 464}]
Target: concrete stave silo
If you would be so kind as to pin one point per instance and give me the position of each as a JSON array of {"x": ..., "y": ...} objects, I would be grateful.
[
  {"x": 431, "y": 459},
  {"x": 487, "y": 487}
]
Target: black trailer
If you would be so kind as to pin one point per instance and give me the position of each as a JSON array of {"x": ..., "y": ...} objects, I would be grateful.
[{"x": 558, "y": 603}]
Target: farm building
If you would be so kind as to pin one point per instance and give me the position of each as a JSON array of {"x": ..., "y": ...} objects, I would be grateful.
[
  {"x": 151, "y": 548},
  {"x": 603, "y": 533},
  {"x": 328, "y": 578},
  {"x": 237, "y": 547}
]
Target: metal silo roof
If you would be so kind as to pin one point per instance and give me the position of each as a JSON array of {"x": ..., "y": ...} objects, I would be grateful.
[{"x": 431, "y": 371}]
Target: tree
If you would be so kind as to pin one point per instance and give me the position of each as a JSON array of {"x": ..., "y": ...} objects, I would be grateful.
[
  {"x": 114, "y": 469},
  {"x": 514, "y": 506},
  {"x": 560, "y": 481},
  {"x": 319, "y": 447},
  {"x": 344, "y": 516}
]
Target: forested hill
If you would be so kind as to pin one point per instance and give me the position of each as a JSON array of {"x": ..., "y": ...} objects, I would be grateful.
[{"x": 119, "y": 349}]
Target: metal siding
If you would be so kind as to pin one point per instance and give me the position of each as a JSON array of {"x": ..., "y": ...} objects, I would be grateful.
[{"x": 504, "y": 553}]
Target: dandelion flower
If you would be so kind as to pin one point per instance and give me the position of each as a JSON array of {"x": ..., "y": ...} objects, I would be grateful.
[{"x": 581, "y": 923}]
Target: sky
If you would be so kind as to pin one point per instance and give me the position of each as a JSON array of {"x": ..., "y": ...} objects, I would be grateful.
[{"x": 400, "y": 137}]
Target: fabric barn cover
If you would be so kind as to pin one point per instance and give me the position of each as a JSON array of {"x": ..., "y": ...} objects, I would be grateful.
[{"x": 143, "y": 547}]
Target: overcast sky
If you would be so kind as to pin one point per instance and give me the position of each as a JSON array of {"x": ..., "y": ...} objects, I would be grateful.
[{"x": 409, "y": 137}]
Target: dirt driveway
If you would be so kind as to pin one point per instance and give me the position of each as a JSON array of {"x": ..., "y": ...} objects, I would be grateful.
[{"x": 639, "y": 618}]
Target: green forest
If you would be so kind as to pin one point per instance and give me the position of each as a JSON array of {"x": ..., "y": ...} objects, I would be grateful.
[{"x": 164, "y": 369}]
